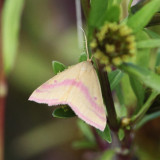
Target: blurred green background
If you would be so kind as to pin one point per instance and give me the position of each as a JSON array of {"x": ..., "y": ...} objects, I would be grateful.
[{"x": 48, "y": 32}]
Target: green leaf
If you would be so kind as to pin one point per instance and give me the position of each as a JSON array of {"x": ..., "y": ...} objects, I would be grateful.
[
  {"x": 113, "y": 2},
  {"x": 152, "y": 34},
  {"x": 63, "y": 112},
  {"x": 121, "y": 134},
  {"x": 148, "y": 118},
  {"x": 122, "y": 110},
  {"x": 143, "y": 62},
  {"x": 58, "y": 67},
  {"x": 86, "y": 130},
  {"x": 11, "y": 15},
  {"x": 142, "y": 17},
  {"x": 127, "y": 92},
  {"x": 148, "y": 77},
  {"x": 114, "y": 78},
  {"x": 136, "y": 118},
  {"x": 138, "y": 90},
  {"x": 140, "y": 60},
  {"x": 111, "y": 15},
  {"x": 83, "y": 57},
  {"x": 145, "y": 52},
  {"x": 83, "y": 145},
  {"x": 151, "y": 43},
  {"x": 98, "y": 8},
  {"x": 158, "y": 59},
  {"x": 106, "y": 134},
  {"x": 108, "y": 155},
  {"x": 138, "y": 5}
]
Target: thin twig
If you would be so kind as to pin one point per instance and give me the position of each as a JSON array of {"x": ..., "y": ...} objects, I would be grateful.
[{"x": 108, "y": 99}]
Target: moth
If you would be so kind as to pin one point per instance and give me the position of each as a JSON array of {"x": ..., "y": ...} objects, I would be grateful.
[{"x": 78, "y": 87}]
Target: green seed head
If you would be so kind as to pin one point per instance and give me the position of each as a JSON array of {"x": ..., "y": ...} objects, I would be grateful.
[{"x": 113, "y": 44}]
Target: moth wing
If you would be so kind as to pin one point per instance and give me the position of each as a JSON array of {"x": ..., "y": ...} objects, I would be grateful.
[{"x": 77, "y": 86}]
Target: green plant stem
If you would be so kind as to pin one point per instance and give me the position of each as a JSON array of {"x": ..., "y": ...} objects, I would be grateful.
[
  {"x": 144, "y": 108},
  {"x": 108, "y": 99},
  {"x": 129, "y": 6}
]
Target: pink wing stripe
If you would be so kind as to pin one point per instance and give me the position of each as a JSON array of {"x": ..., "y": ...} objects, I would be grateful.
[
  {"x": 52, "y": 102},
  {"x": 79, "y": 85},
  {"x": 75, "y": 109}
]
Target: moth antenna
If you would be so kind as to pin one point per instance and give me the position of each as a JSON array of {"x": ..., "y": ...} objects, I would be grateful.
[{"x": 85, "y": 38}]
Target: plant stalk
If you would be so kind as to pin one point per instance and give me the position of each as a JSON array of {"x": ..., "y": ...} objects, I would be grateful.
[
  {"x": 108, "y": 99},
  {"x": 126, "y": 147}
]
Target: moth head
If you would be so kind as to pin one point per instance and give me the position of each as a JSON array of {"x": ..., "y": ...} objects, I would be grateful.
[{"x": 113, "y": 44}]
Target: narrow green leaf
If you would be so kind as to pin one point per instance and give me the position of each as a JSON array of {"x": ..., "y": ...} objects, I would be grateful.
[
  {"x": 121, "y": 134},
  {"x": 136, "y": 118},
  {"x": 98, "y": 8},
  {"x": 113, "y": 2},
  {"x": 140, "y": 60},
  {"x": 86, "y": 130},
  {"x": 122, "y": 110},
  {"x": 108, "y": 155},
  {"x": 158, "y": 59},
  {"x": 145, "y": 52},
  {"x": 11, "y": 15},
  {"x": 129, "y": 6},
  {"x": 142, "y": 17},
  {"x": 111, "y": 15},
  {"x": 83, "y": 57},
  {"x": 152, "y": 34},
  {"x": 110, "y": 3},
  {"x": 127, "y": 92},
  {"x": 151, "y": 43},
  {"x": 63, "y": 112},
  {"x": 148, "y": 118},
  {"x": 114, "y": 78},
  {"x": 83, "y": 145},
  {"x": 106, "y": 134},
  {"x": 148, "y": 77},
  {"x": 143, "y": 62},
  {"x": 138, "y": 6},
  {"x": 138, "y": 90},
  {"x": 58, "y": 67}
]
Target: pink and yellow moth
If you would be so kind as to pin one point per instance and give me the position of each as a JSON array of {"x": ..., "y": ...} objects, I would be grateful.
[{"x": 78, "y": 87}]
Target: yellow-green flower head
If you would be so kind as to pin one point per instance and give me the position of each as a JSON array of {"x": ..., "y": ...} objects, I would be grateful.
[{"x": 113, "y": 44}]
